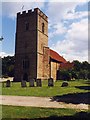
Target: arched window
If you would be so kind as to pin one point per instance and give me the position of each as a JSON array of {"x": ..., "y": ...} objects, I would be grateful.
[{"x": 43, "y": 27}]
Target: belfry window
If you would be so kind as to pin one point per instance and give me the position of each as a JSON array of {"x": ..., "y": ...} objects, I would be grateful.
[
  {"x": 43, "y": 27},
  {"x": 26, "y": 26}
]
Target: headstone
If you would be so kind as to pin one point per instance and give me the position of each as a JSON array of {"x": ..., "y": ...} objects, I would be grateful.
[
  {"x": 8, "y": 83},
  {"x": 39, "y": 83},
  {"x": 23, "y": 83},
  {"x": 50, "y": 82},
  {"x": 31, "y": 82},
  {"x": 64, "y": 84}
]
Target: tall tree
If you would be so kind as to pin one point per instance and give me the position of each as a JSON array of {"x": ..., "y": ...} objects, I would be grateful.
[{"x": 8, "y": 66}]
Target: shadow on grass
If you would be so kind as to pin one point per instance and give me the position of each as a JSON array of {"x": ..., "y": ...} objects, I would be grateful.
[
  {"x": 77, "y": 116},
  {"x": 87, "y": 82},
  {"x": 83, "y": 87},
  {"x": 75, "y": 98}
]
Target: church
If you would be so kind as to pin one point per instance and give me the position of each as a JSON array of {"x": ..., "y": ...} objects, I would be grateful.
[{"x": 33, "y": 58}]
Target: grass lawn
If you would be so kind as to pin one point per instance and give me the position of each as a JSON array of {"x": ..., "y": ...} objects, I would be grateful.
[
  {"x": 32, "y": 112},
  {"x": 29, "y": 113},
  {"x": 45, "y": 91}
]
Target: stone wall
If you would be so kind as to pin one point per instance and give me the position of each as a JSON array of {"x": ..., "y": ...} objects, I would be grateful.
[
  {"x": 46, "y": 61},
  {"x": 31, "y": 38},
  {"x": 26, "y": 45},
  {"x": 42, "y": 41},
  {"x": 54, "y": 68}
]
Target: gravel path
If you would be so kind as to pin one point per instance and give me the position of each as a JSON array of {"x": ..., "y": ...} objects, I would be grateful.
[{"x": 38, "y": 102}]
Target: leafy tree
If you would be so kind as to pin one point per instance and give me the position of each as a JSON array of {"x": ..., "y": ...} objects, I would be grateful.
[
  {"x": 84, "y": 65},
  {"x": 83, "y": 74},
  {"x": 77, "y": 65},
  {"x": 74, "y": 74},
  {"x": 88, "y": 76},
  {"x": 8, "y": 66},
  {"x": 65, "y": 75}
]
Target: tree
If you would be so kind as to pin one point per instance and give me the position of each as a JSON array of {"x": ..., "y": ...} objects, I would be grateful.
[
  {"x": 74, "y": 74},
  {"x": 77, "y": 65},
  {"x": 85, "y": 65},
  {"x": 65, "y": 75},
  {"x": 88, "y": 76},
  {"x": 83, "y": 74},
  {"x": 8, "y": 66}
]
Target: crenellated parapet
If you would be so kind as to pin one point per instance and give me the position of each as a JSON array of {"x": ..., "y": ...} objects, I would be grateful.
[{"x": 31, "y": 12}]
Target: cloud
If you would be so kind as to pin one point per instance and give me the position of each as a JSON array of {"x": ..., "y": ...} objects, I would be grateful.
[
  {"x": 45, "y": 0},
  {"x": 11, "y": 8},
  {"x": 57, "y": 11},
  {"x": 4, "y": 54},
  {"x": 75, "y": 15},
  {"x": 58, "y": 29},
  {"x": 75, "y": 44}
]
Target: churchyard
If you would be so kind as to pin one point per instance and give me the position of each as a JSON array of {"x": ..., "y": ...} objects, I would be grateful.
[
  {"x": 73, "y": 93},
  {"x": 78, "y": 86},
  {"x": 35, "y": 113}
]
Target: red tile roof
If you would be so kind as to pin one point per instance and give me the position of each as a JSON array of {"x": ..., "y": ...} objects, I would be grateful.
[
  {"x": 67, "y": 65},
  {"x": 55, "y": 56}
]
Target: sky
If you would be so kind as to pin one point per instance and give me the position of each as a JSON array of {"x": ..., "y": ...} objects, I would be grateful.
[{"x": 67, "y": 29}]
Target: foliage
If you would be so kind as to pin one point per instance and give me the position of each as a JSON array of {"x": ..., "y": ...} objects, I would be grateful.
[
  {"x": 82, "y": 69},
  {"x": 79, "y": 71},
  {"x": 8, "y": 66},
  {"x": 65, "y": 75}
]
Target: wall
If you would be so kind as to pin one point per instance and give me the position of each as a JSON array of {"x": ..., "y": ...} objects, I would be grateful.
[
  {"x": 42, "y": 41},
  {"x": 26, "y": 45},
  {"x": 54, "y": 68}
]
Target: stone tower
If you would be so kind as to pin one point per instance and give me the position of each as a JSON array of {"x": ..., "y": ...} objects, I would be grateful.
[{"x": 31, "y": 50}]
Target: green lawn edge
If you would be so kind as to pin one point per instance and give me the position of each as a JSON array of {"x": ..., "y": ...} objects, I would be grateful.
[
  {"x": 45, "y": 91},
  {"x": 35, "y": 112}
]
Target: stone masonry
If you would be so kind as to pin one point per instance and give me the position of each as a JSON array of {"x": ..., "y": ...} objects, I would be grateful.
[
  {"x": 31, "y": 50},
  {"x": 33, "y": 58}
]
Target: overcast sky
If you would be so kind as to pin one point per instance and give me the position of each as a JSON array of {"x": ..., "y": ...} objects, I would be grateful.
[{"x": 68, "y": 26}]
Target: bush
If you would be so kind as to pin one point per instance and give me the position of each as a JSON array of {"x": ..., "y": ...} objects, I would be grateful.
[{"x": 65, "y": 75}]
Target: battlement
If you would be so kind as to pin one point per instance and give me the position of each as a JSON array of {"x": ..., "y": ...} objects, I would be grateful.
[{"x": 30, "y": 12}]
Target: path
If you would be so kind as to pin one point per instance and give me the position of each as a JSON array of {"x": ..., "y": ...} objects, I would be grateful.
[{"x": 38, "y": 102}]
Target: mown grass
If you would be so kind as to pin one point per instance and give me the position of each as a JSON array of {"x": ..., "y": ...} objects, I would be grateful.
[
  {"x": 32, "y": 112},
  {"x": 45, "y": 91}
]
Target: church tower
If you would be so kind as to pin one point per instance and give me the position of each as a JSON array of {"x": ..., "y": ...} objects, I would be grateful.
[{"x": 31, "y": 50}]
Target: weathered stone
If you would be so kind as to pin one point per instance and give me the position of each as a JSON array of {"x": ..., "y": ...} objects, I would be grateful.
[
  {"x": 23, "y": 83},
  {"x": 29, "y": 53},
  {"x": 50, "y": 82},
  {"x": 32, "y": 54},
  {"x": 39, "y": 83},
  {"x": 8, "y": 83},
  {"x": 31, "y": 82},
  {"x": 64, "y": 84}
]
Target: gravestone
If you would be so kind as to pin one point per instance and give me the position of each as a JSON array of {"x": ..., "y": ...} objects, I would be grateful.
[
  {"x": 8, "y": 84},
  {"x": 64, "y": 84},
  {"x": 31, "y": 83},
  {"x": 39, "y": 83},
  {"x": 23, "y": 83},
  {"x": 50, "y": 82}
]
